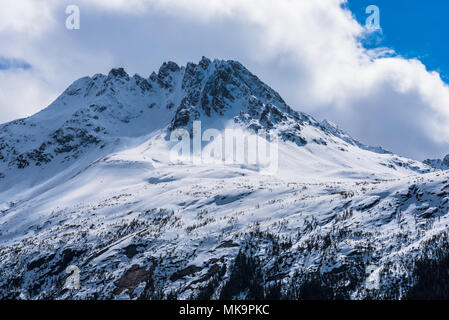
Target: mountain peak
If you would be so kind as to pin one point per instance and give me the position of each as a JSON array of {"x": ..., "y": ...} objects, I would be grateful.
[
  {"x": 118, "y": 73},
  {"x": 167, "y": 67},
  {"x": 94, "y": 111},
  {"x": 204, "y": 62},
  {"x": 442, "y": 164}
]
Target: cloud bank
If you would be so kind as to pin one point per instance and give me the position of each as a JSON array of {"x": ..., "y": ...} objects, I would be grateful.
[{"x": 310, "y": 51}]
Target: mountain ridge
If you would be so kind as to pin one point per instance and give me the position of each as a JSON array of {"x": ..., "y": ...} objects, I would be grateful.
[
  {"x": 442, "y": 164},
  {"x": 91, "y": 110}
]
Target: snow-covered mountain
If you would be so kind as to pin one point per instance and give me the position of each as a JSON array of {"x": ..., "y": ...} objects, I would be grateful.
[
  {"x": 442, "y": 164},
  {"x": 89, "y": 182}
]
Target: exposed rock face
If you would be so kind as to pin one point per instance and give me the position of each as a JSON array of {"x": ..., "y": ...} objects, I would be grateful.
[{"x": 438, "y": 163}]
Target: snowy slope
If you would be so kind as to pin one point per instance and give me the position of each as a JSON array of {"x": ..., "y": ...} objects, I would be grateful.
[{"x": 89, "y": 182}]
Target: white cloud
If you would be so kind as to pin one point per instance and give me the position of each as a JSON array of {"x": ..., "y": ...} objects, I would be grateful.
[
  {"x": 22, "y": 93},
  {"x": 26, "y": 16},
  {"x": 128, "y": 6}
]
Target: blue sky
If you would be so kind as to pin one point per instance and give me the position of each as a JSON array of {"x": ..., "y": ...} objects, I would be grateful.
[
  {"x": 310, "y": 51},
  {"x": 414, "y": 29}
]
